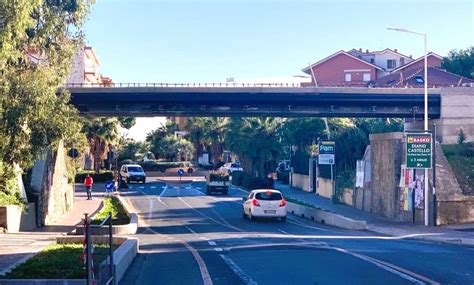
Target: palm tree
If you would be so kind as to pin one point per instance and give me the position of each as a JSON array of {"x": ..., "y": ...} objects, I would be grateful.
[
  {"x": 257, "y": 143},
  {"x": 101, "y": 133},
  {"x": 196, "y": 127},
  {"x": 214, "y": 137}
]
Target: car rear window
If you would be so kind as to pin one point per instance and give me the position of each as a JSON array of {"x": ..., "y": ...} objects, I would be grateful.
[
  {"x": 269, "y": 196},
  {"x": 135, "y": 169}
]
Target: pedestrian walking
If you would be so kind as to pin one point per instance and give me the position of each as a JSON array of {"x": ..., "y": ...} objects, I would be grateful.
[{"x": 88, "y": 182}]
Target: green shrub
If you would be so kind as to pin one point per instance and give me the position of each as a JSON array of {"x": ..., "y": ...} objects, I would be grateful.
[
  {"x": 250, "y": 182},
  {"x": 284, "y": 177},
  {"x": 218, "y": 176},
  {"x": 237, "y": 178},
  {"x": 206, "y": 166},
  {"x": 102, "y": 176},
  {"x": 112, "y": 206},
  {"x": 126, "y": 161}
]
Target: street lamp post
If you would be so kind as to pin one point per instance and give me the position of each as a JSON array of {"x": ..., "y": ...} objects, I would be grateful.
[{"x": 425, "y": 114}]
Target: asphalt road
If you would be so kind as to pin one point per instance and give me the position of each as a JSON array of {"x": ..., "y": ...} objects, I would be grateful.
[{"x": 187, "y": 237}]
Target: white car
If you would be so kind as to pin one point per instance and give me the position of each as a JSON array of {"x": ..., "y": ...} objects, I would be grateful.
[
  {"x": 132, "y": 172},
  {"x": 230, "y": 167},
  {"x": 264, "y": 203}
]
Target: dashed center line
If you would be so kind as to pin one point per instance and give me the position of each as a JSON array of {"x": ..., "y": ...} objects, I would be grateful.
[{"x": 213, "y": 243}]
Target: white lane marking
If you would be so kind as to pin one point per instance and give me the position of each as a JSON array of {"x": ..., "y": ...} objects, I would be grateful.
[
  {"x": 403, "y": 273},
  {"x": 237, "y": 270},
  {"x": 221, "y": 218},
  {"x": 153, "y": 187},
  {"x": 213, "y": 243},
  {"x": 204, "y": 238},
  {"x": 298, "y": 223},
  {"x": 210, "y": 218},
  {"x": 282, "y": 231},
  {"x": 218, "y": 249},
  {"x": 206, "y": 278},
  {"x": 150, "y": 209},
  {"x": 189, "y": 229},
  {"x": 142, "y": 187}
]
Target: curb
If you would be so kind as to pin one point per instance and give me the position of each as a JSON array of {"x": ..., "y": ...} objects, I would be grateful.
[
  {"x": 128, "y": 229},
  {"x": 326, "y": 217},
  {"x": 123, "y": 257}
]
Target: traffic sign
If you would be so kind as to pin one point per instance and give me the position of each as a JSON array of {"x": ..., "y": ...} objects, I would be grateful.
[
  {"x": 419, "y": 150},
  {"x": 327, "y": 152},
  {"x": 180, "y": 172},
  {"x": 109, "y": 185},
  {"x": 73, "y": 153}
]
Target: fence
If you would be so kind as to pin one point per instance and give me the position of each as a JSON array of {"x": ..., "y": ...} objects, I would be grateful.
[{"x": 110, "y": 274}]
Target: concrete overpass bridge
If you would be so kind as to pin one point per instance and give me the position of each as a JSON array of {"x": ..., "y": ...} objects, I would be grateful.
[
  {"x": 451, "y": 108},
  {"x": 276, "y": 100}
]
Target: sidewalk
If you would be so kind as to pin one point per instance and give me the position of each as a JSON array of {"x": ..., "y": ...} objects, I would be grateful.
[
  {"x": 18, "y": 247},
  {"x": 456, "y": 234}
]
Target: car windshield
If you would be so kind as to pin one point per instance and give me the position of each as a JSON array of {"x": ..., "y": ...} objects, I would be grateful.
[
  {"x": 269, "y": 196},
  {"x": 135, "y": 169}
]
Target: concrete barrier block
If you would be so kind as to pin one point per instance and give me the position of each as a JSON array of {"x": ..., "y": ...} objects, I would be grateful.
[{"x": 326, "y": 217}]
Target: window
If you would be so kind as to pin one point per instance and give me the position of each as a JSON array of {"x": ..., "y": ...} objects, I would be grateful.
[
  {"x": 371, "y": 60},
  {"x": 419, "y": 79},
  {"x": 402, "y": 61},
  {"x": 391, "y": 63},
  {"x": 348, "y": 77},
  {"x": 366, "y": 77},
  {"x": 269, "y": 196}
]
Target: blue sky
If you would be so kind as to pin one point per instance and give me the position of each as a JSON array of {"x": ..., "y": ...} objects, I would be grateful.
[{"x": 210, "y": 40}]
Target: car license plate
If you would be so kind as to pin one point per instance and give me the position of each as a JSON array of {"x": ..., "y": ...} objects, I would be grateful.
[{"x": 269, "y": 211}]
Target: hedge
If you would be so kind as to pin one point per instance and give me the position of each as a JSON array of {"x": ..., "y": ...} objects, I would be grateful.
[
  {"x": 155, "y": 165},
  {"x": 249, "y": 182},
  {"x": 237, "y": 178},
  {"x": 284, "y": 177},
  {"x": 102, "y": 176}
]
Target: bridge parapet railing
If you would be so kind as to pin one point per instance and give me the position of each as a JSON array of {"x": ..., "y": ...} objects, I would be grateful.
[{"x": 179, "y": 85}]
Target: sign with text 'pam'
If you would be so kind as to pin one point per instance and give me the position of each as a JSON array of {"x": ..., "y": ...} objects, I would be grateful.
[
  {"x": 419, "y": 151},
  {"x": 327, "y": 151}
]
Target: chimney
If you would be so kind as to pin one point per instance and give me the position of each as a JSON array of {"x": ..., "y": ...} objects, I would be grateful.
[
  {"x": 360, "y": 49},
  {"x": 366, "y": 51},
  {"x": 396, "y": 50},
  {"x": 410, "y": 56}
]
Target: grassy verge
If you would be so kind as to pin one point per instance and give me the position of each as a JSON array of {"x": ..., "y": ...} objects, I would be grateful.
[
  {"x": 296, "y": 201},
  {"x": 112, "y": 205},
  {"x": 58, "y": 261},
  {"x": 461, "y": 159}
]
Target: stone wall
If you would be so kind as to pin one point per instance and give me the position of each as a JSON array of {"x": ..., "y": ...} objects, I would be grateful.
[
  {"x": 56, "y": 196},
  {"x": 386, "y": 157}
]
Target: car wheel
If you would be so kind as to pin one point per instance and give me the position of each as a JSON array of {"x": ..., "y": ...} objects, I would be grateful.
[
  {"x": 283, "y": 219},
  {"x": 244, "y": 216},
  {"x": 128, "y": 181},
  {"x": 250, "y": 216}
]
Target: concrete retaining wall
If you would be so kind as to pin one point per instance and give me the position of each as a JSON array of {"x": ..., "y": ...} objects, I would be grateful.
[
  {"x": 326, "y": 217},
  {"x": 457, "y": 105},
  {"x": 324, "y": 188},
  {"x": 14, "y": 220},
  {"x": 300, "y": 181}
]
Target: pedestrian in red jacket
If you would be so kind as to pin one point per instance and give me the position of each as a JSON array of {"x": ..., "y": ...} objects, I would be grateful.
[{"x": 88, "y": 183}]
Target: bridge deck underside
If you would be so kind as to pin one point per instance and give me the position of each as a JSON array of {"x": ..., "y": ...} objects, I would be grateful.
[{"x": 254, "y": 104}]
